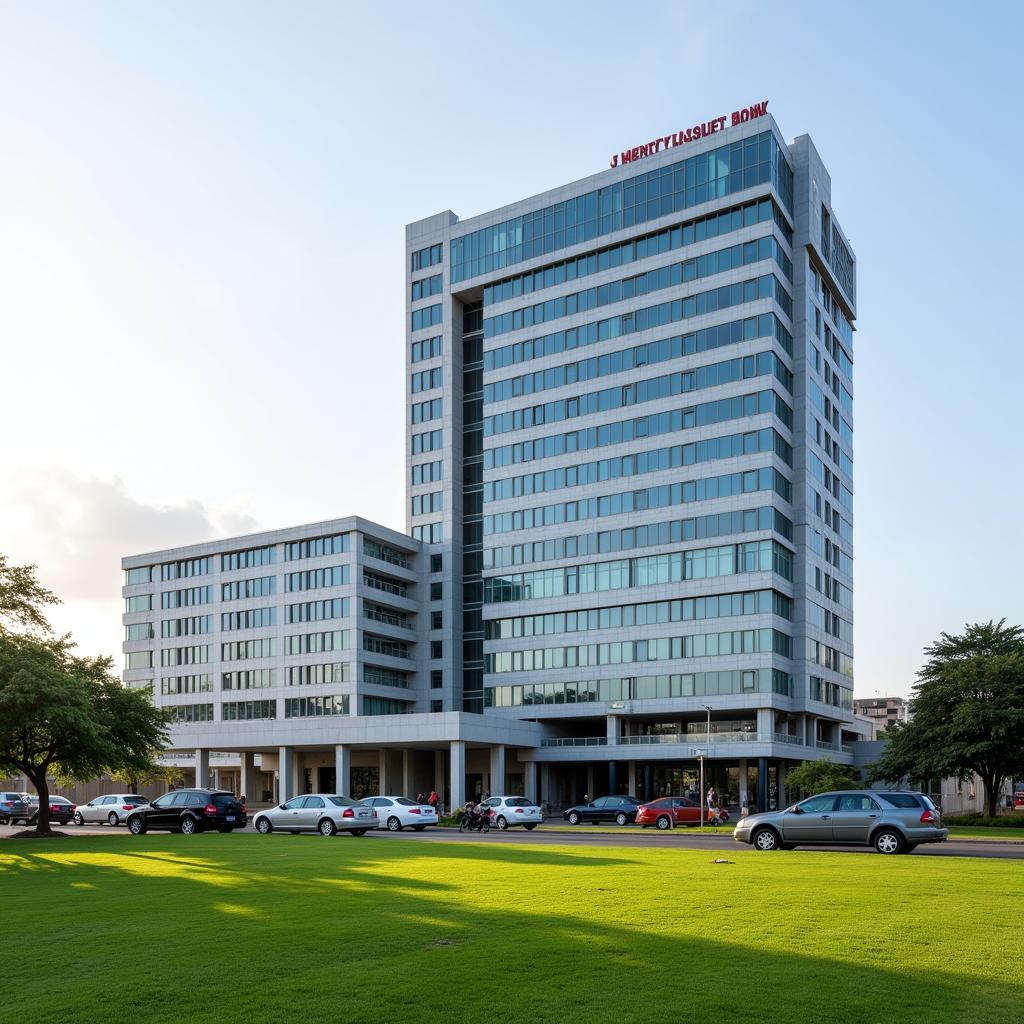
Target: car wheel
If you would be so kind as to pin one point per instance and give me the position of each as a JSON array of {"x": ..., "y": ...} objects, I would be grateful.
[
  {"x": 188, "y": 825},
  {"x": 463, "y": 825},
  {"x": 529, "y": 828},
  {"x": 136, "y": 826},
  {"x": 264, "y": 826},
  {"x": 663, "y": 822},
  {"x": 79, "y": 820},
  {"x": 394, "y": 825},
  {"x": 113, "y": 819},
  {"x": 888, "y": 841},
  {"x": 766, "y": 839},
  {"x": 327, "y": 827},
  {"x": 621, "y": 819},
  {"x": 502, "y": 822},
  {"x": 574, "y": 818}
]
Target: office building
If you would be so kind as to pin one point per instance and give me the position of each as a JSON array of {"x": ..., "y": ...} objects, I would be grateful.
[{"x": 629, "y": 493}]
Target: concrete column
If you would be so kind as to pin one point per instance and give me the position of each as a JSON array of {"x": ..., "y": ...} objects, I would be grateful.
[
  {"x": 457, "y": 781},
  {"x": 612, "y": 728},
  {"x": 811, "y": 734},
  {"x": 801, "y": 728},
  {"x": 648, "y": 783},
  {"x": 783, "y": 803},
  {"x": 530, "y": 781},
  {"x": 439, "y": 770},
  {"x": 590, "y": 782},
  {"x": 613, "y": 778},
  {"x": 498, "y": 770},
  {"x": 383, "y": 771},
  {"x": 545, "y": 784},
  {"x": 762, "y": 784},
  {"x": 765, "y": 724},
  {"x": 286, "y": 774},
  {"x": 407, "y": 776},
  {"x": 744, "y": 794},
  {"x": 247, "y": 782},
  {"x": 202, "y": 769},
  {"x": 342, "y": 769},
  {"x": 631, "y": 768}
]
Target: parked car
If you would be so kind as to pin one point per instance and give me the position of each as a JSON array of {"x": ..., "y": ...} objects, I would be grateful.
[
  {"x": 506, "y": 811},
  {"x": 13, "y": 809},
  {"x": 668, "y": 812},
  {"x": 189, "y": 811},
  {"x": 113, "y": 809},
  {"x": 326, "y": 813},
  {"x": 398, "y": 812},
  {"x": 61, "y": 809},
  {"x": 620, "y": 809},
  {"x": 890, "y": 822}
]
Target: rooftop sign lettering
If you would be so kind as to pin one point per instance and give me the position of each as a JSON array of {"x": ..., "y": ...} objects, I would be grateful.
[{"x": 698, "y": 131}]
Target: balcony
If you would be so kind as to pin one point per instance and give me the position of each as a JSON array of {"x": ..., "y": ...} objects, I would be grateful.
[
  {"x": 574, "y": 741},
  {"x": 825, "y": 745}
]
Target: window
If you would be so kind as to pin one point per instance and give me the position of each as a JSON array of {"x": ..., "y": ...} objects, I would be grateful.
[
  {"x": 902, "y": 800},
  {"x": 315, "y": 611},
  {"x": 436, "y": 563},
  {"x": 428, "y": 257},
  {"x": 248, "y": 710},
  {"x": 427, "y": 348},
  {"x": 437, "y": 648},
  {"x": 436, "y": 679},
  {"x": 141, "y": 575},
  {"x": 857, "y": 803},
  {"x": 817, "y": 804},
  {"x": 436, "y": 706},
  {"x": 426, "y": 316},
  {"x": 312, "y": 802},
  {"x": 316, "y": 547},
  {"x": 437, "y": 620},
  {"x": 385, "y": 553},
  {"x": 139, "y": 631},
  {"x": 311, "y": 675},
  {"x": 430, "y": 410},
  {"x": 261, "y": 586},
  {"x": 315, "y": 707},
  {"x": 436, "y": 590},
  {"x": 317, "y": 579},
  {"x": 426, "y": 287},
  {"x": 140, "y": 603},
  {"x": 188, "y": 567},
  {"x": 248, "y": 559},
  {"x": 185, "y": 655},
  {"x": 138, "y": 659}
]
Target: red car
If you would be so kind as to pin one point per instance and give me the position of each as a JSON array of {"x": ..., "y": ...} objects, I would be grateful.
[{"x": 667, "y": 811}]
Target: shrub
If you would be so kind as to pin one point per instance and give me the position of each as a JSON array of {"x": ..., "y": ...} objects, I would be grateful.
[{"x": 980, "y": 821}]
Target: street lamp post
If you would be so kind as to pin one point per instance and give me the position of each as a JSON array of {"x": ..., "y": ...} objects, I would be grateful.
[{"x": 703, "y": 797}]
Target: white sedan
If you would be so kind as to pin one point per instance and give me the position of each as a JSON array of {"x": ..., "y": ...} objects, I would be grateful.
[
  {"x": 326, "y": 813},
  {"x": 506, "y": 811},
  {"x": 398, "y": 812}
]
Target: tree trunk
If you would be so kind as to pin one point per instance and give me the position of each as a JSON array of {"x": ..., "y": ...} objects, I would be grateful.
[
  {"x": 39, "y": 780},
  {"x": 993, "y": 784}
]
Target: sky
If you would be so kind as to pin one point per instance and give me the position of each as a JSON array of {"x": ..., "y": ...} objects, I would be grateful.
[{"x": 202, "y": 213}]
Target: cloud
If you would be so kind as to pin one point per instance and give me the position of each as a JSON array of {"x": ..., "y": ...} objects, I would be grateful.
[{"x": 78, "y": 529}]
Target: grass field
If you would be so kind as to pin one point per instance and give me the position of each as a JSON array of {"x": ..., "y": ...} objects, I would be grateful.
[{"x": 222, "y": 928}]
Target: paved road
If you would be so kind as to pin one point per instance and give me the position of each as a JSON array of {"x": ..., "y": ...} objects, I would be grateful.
[{"x": 628, "y": 837}]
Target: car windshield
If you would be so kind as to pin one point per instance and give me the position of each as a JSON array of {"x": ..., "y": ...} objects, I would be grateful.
[
  {"x": 406, "y": 802},
  {"x": 344, "y": 801},
  {"x": 58, "y": 800},
  {"x": 224, "y": 799},
  {"x": 518, "y": 801}
]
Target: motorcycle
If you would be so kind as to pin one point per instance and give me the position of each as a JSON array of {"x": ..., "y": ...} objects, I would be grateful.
[{"x": 474, "y": 820}]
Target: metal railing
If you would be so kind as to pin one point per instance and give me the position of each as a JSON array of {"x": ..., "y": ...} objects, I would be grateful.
[
  {"x": 574, "y": 741},
  {"x": 825, "y": 745},
  {"x": 785, "y": 737}
]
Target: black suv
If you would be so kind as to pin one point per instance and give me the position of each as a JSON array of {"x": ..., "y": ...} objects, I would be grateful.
[{"x": 189, "y": 811}]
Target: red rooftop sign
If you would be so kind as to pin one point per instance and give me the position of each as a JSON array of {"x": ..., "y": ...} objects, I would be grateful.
[{"x": 698, "y": 131}]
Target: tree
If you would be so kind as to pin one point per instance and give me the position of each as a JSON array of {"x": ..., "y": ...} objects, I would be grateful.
[
  {"x": 820, "y": 777},
  {"x": 61, "y": 713},
  {"x": 966, "y": 713},
  {"x": 22, "y": 598}
]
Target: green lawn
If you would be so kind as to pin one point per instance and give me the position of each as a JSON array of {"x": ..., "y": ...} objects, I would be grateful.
[
  {"x": 976, "y": 832},
  {"x": 163, "y": 929}
]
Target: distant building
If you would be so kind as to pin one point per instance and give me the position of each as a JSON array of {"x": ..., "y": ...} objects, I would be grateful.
[{"x": 880, "y": 712}]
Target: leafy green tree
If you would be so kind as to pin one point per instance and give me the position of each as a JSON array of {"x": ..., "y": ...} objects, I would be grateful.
[
  {"x": 966, "y": 713},
  {"x": 62, "y": 714},
  {"x": 22, "y": 598},
  {"x": 820, "y": 777}
]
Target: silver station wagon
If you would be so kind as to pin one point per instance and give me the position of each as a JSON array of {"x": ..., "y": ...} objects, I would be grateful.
[{"x": 890, "y": 822}]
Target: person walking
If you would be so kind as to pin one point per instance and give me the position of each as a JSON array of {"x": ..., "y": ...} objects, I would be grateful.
[{"x": 712, "y": 805}]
